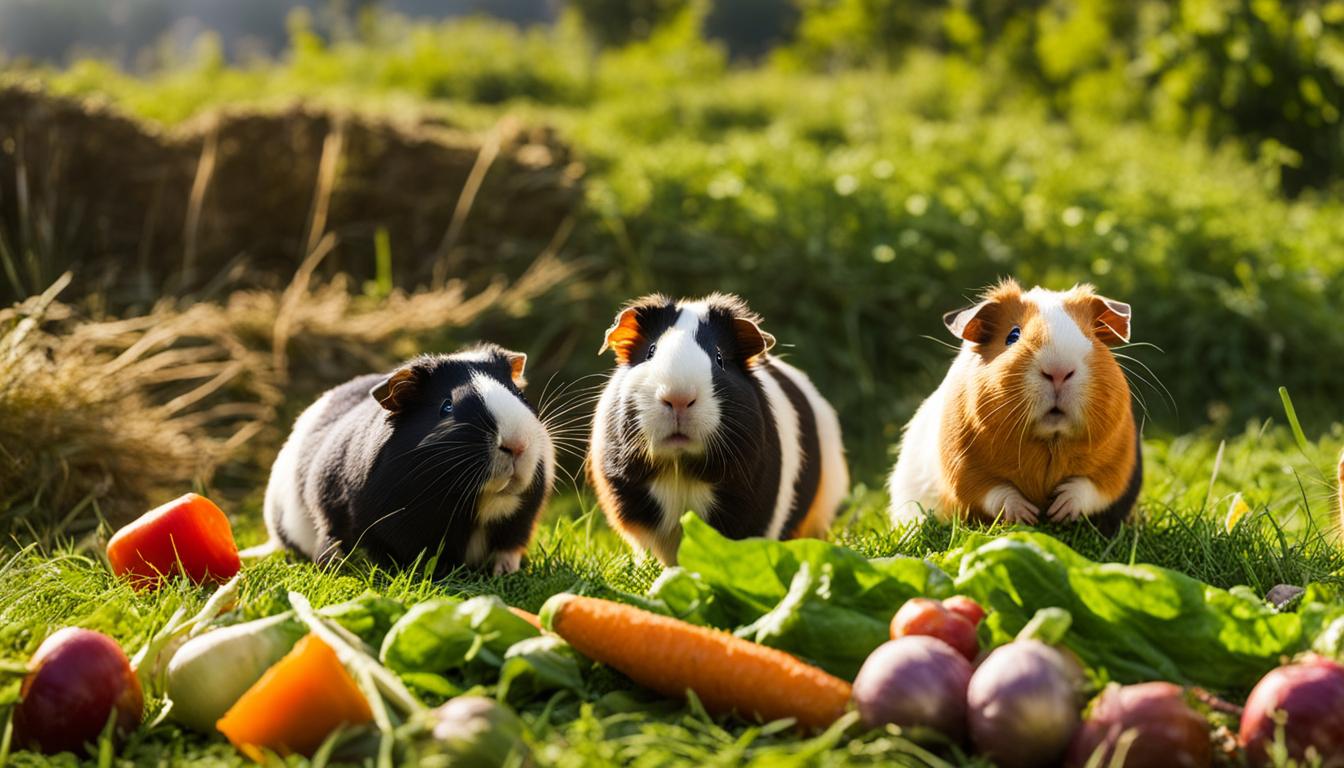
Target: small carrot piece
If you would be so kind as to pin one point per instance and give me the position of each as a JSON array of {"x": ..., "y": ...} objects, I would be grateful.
[
  {"x": 671, "y": 656},
  {"x": 530, "y": 618},
  {"x": 296, "y": 704},
  {"x": 188, "y": 535}
]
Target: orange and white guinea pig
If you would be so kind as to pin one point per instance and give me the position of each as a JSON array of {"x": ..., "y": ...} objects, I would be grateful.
[
  {"x": 1033, "y": 420},
  {"x": 698, "y": 416}
]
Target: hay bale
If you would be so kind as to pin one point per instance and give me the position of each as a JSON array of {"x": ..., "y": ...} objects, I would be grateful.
[{"x": 139, "y": 212}]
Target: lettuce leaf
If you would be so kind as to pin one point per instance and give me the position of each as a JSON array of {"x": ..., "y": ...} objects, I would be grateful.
[
  {"x": 822, "y": 602},
  {"x": 1133, "y": 622},
  {"x": 445, "y": 634}
]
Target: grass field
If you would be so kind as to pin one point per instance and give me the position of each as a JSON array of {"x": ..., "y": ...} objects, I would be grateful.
[
  {"x": 850, "y": 206},
  {"x": 1286, "y": 538}
]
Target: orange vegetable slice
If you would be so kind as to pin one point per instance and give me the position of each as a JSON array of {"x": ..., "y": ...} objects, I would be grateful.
[
  {"x": 296, "y": 704},
  {"x": 189, "y": 535}
]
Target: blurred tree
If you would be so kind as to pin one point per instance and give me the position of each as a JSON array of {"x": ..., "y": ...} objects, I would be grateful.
[
  {"x": 617, "y": 22},
  {"x": 751, "y": 28}
]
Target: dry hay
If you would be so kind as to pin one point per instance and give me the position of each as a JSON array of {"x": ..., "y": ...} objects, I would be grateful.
[
  {"x": 138, "y": 212},
  {"x": 100, "y": 419}
]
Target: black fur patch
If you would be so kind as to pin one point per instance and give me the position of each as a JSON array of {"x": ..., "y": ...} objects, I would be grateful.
[{"x": 809, "y": 440}]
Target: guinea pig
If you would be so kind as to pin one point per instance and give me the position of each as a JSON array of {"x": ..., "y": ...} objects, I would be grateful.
[
  {"x": 1033, "y": 419},
  {"x": 698, "y": 417},
  {"x": 442, "y": 456}
]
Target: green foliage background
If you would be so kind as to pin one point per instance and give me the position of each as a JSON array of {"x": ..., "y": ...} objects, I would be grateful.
[{"x": 886, "y": 163}]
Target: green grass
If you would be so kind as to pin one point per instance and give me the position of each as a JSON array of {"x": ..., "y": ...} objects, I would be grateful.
[{"x": 1286, "y": 539}]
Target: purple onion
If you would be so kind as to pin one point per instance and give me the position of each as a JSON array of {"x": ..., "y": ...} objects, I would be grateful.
[
  {"x": 914, "y": 682},
  {"x": 1023, "y": 704},
  {"x": 1150, "y": 724},
  {"x": 1309, "y": 697}
]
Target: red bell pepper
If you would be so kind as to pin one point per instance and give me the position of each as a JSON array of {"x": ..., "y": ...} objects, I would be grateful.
[{"x": 189, "y": 535}]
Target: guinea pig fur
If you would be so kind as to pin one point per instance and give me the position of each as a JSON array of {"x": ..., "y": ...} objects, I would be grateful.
[
  {"x": 442, "y": 456},
  {"x": 698, "y": 416},
  {"x": 1033, "y": 419}
]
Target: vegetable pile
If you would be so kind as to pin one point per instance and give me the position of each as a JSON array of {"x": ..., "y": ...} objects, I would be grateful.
[{"x": 992, "y": 650}]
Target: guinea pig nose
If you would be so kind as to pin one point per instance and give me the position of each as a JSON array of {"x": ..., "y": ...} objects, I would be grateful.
[
  {"x": 1058, "y": 375},
  {"x": 679, "y": 401},
  {"x": 513, "y": 447}
]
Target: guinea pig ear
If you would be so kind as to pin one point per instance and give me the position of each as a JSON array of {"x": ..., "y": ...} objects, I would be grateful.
[
  {"x": 517, "y": 362},
  {"x": 1112, "y": 323},
  {"x": 751, "y": 340},
  {"x": 623, "y": 335},
  {"x": 970, "y": 323},
  {"x": 398, "y": 390}
]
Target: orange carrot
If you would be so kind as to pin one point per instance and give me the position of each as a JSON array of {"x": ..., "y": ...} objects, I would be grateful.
[
  {"x": 671, "y": 656},
  {"x": 296, "y": 704},
  {"x": 530, "y": 618}
]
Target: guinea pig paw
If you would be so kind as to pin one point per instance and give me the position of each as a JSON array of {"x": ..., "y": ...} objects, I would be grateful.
[
  {"x": 1075, "y": 498},
  {"x": 1009, "y": 505},
  {"x": 507, "y": 562}
]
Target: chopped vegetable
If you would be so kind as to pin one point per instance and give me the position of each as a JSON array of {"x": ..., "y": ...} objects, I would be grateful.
[
  {"x": 1023, "y": 704},
  {"x": 78, "y": 681},
  {"x": 212, "y": 671},
  {"x": 189, "y": 535},
  {"x": 672, "y": 657},
  {"x": 296, "y": 704},
  {"x": 915, "y": 682},
  {"x": 1307, "y": 699},
  {"x": 1137, "y": 726},
  {"x": 922, "y": 616}
]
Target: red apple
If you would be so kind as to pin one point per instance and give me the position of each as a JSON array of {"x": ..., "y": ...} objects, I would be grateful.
[{"x": 922, "y": 616}]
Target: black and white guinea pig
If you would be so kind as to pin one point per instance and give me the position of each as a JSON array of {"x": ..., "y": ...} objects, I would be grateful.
[
  {"x": 443, "y": 455},
  {"x": 698, "y": 416}
]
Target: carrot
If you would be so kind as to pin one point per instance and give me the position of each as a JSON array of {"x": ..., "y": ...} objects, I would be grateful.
[
  {"x": 188, "y": 535},
  {"x": 296, "y": 704},
  {"x": 530, "y": 618},
  {"x": 671, "y": 657}
]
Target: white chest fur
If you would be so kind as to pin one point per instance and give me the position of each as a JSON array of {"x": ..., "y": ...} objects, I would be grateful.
[{"x": 677, "y": 494}]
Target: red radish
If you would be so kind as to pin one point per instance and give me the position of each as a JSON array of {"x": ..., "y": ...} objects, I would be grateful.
[
  {"x": 1308, "y": 699},
  {"x": 187, "y": 535},
  {"x": 77, "y": 678},
  {"x": 1150, "y": 724},
  {"x": 922, "y": 616},
  {"x": 914, "y": 682},
  {"x": 966, "y": 608}
]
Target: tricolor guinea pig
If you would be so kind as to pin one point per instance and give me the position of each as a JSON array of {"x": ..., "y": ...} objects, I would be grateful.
[
  {"x": 1033, "y": 420},
  {"x": 442, "y": 456},
  {"x": 698, "y": 416}
]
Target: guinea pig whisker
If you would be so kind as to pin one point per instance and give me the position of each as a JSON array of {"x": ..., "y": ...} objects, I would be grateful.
[
  {"x": 940, "y": 342},
  {"x": 1154, "y": 376}
]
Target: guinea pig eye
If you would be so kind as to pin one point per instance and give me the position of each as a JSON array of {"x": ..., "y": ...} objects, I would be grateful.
[
  {"x": 718, "y": 357},
  {"x": 1013, "y": 336},
  {"x": 652, "y": 348},
  {"x": 446, "y": 409}
]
